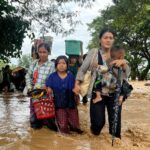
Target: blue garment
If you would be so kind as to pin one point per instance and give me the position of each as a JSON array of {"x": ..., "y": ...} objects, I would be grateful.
[{"x": 62, "y": 89}]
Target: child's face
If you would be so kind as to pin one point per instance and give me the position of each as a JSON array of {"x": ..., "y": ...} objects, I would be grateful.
[
  {"x": 61, "y": 66},
  {"x": 119, "y": 54}
]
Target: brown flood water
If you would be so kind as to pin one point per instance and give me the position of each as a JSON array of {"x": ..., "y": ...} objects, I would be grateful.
[{"x": 16, "y": 134}]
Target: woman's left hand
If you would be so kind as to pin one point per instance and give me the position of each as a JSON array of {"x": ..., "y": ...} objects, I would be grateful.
[{"x": 119, "y": 63}]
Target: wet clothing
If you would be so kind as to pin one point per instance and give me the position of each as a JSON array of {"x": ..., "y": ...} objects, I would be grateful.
[
  {"x": 65, "y": 103},
  {"x": 97, "y": 115},
  {"x": 36, "y": 123},
  {"x": 6, "y": 80},
  {"x": 86, "y": 65},
  {"x": 97, "y": 110},
  {"x": 62, "y": 89},
  {"x": 106, "y": 81},
  {"x": 42, "y": 73},
  {"x": 67, "y": 118}
]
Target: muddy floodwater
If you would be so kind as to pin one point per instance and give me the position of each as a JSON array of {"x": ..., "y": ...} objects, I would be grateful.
[{"x": 16, "y": 134}]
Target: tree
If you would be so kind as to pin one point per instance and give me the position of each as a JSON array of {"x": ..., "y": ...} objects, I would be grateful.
[
  {"x": 25, "y": 61},
  {"x": 12, "y": 31},
  {"x": 19, "y": 16},
  {"x": 55, "y": 16},
  {"x": 131, "y": 20},
  {"x": 2, "y": 64}
]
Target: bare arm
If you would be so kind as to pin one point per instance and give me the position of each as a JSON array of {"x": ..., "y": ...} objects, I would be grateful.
[
  {"x": 83, "y": 69},
  {"x": 123, "y": 64},
  {"x": 85, "y": 66},
  {"x": 28, "y": 77}
]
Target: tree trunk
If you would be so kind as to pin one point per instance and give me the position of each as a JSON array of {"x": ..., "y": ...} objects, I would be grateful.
[{"x": 133, "y": 73}]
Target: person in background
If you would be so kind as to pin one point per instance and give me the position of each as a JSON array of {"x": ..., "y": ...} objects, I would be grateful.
[
  {"x": 73, "y": 65},
  {"x": 1, "y": 79},
  {"x": 36, "y": 77},
  {"x": 53, "y": 60},
  {"x": 61, "y": 83},
  {"x": 6, "y": 78}
]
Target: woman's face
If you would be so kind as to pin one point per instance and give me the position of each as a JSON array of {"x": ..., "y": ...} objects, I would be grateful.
[
  {"x": 73, "y": 60},
  {"x": 61, "y": 66},
  {"x": 43, "y": 54},
  {"x": 107, "y": 40}
]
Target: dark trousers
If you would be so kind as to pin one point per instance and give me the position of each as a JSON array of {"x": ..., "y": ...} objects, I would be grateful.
[
  {"x": 67, "y": 117},
  {"x": 97, "y": 115}
]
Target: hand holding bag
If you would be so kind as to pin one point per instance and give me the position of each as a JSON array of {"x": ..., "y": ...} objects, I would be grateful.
[{"x": 84, "y": 86}]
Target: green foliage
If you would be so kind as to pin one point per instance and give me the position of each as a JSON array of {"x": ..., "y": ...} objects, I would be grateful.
[
  {"x": 12, "y": 31},
  {"x": 25, "y": 61},
  {"x": 17, "y": 17},
  {"x": 148, "y": 76},
  {"x": 2, "y": 64},
  {"x": 131, "y": 21},
  {"x": 57, "y": 16}
]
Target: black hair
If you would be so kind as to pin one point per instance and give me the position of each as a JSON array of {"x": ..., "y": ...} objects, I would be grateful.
[
  {"x": 53, "y": 60},
  {"x": 84, "y": 56},
  {"x": 45, "y": 45},
  {"x": 59, "y": 58},
  {"x": 117, "y": 48},
  {"x": 7, "y": 67},
  {"x": 104, "y": 30},
  {"x": 72, "y": 56}
]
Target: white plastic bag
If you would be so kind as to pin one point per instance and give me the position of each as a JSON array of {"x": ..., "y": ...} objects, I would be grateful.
[{"x": 25, "y": 91}]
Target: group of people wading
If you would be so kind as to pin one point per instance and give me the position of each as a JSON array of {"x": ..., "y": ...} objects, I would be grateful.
[{"x": 65, "y": 87}]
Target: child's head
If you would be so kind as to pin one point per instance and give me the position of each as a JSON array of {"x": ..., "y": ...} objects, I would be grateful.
[
  {"x": 61, "y": 64},
  {"x": 117, "y": 52}
]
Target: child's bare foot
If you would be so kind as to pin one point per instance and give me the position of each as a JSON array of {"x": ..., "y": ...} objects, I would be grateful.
[
  {"x": 97, "y": 99},
  {"x": 120, "y": 100}
]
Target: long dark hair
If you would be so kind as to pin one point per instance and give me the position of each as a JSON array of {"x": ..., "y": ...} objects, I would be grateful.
[
  {"x": 45, "y": 45},
  {"x": 59, "y": 58},
  {"x": 104, "y": 30}
]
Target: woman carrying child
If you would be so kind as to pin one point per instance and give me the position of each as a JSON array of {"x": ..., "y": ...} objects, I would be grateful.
[
  {"x": 107, "y": 77},
  {"x": 97, "y": 110}
]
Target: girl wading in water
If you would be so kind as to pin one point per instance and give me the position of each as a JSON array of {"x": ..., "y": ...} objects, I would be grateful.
[{"x": 61, "y": 83}]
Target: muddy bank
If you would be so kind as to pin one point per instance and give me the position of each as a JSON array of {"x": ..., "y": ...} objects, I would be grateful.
[{"x": 16, "y": 134}]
